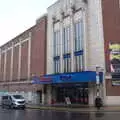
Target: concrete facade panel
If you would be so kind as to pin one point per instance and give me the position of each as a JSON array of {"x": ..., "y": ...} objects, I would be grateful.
[
  {"x": 113, "y": 100},
  {"x": 95, "y": 35},
  {"x": 94, "y": 40}
]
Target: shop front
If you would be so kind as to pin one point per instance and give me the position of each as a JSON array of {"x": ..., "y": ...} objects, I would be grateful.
[
  {"x": 74, "y": 86},
  {"x": 77, "y": 93}
]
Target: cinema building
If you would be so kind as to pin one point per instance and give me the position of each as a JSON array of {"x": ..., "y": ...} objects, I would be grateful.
[
  {"x": 83, "y": 50},
  {"x": 75, "y": 48}
]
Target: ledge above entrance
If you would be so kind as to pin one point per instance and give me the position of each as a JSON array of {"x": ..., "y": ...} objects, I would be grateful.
[{"x": 73, "y": 77}]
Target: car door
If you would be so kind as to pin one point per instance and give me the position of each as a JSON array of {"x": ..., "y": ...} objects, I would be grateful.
[{"x": 9, "y": 100}]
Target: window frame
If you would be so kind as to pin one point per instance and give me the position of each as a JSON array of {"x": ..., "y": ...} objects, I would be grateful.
[
  {"x": 56, "y": 66},
  {"x": 56, "y": 43},
  {"x": 79, "y": 63},
  {"x": 66, "y": 39},
  {"x": 79, "y": 35},
  {"x": 67, "y": 64}
]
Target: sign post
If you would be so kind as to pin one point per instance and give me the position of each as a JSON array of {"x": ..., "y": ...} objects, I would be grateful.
[
  {"x": 67, "y": 99},
  {"x": 97, "y": 82}
]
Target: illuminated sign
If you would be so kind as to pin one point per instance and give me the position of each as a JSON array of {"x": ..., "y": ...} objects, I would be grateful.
[
  {"x": 45, "y": 79},
  {"x": 115, "y": 62},
  {"x": 42, "y": 79},
  {"x": 116, "y": 82},
  {"x": 66, "y": 77}
]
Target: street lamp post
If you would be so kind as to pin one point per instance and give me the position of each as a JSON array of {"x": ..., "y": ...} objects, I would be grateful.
[{"x": 98, "y": 81}]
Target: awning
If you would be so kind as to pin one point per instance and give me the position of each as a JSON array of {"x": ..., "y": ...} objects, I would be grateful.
[{"x": 73, "y": 77}]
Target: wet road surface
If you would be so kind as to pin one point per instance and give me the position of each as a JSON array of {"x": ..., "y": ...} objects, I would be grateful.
[{"x": 29, "y": 114}]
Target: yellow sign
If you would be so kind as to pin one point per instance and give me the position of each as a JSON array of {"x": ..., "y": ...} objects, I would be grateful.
[
  {"x": 114, "y": 46},
  {"x": 113, "y": 56},
  {"x": 114, "y": 51}
]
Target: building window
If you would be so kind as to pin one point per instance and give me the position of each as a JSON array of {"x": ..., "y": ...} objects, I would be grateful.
[
  {"x": 56, "y": 47},
  {"x": 79, "y": 64},
  {"x": 67, "y": 64},
  {"x": 56, "y": 65},
  {"x": 66, "y": 40},
  {"x": 79, "y": 35}
]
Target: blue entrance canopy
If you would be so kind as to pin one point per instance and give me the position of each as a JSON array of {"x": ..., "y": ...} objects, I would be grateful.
[{"x": 74, "y": 77}]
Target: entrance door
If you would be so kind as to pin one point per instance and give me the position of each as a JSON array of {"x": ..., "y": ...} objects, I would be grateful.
[
  {"x": 85, "y": 96},
  {"x": 82, "y": 95},
  {"x": 77, "y": 95},
  {"x": 39, "y": 97}
]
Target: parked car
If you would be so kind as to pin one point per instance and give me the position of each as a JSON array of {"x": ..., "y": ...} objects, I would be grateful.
[{"x": 13, "y": 101}]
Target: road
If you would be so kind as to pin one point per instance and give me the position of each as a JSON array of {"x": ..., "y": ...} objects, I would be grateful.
[{"x": 29, "y": 114}]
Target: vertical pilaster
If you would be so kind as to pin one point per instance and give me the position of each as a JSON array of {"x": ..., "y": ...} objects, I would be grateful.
[
  {"x": 61, "y": 43},
  {"x": 49, "y": 94},
  {"x": 104, "y": 88},
  {"x": 0, "y": 61},
  {"x": 72, "y": 40},
  {"x": 91, "y": 94},
  {"x": 19, "y": 63},
  {"x": 43, "y": 94},
  {"x": 11, "y": 65},
  {"x": 29, "y": 55},
  {"x": 5, "y": 61},
  {"x": 43, "y": 98},
  {"x": 85, "y": 46}
]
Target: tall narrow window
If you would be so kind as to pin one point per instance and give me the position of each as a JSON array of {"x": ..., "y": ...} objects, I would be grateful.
[
  {"x": 79, "y": 35},
  {"x": 67, "y": 64},
  {"x": 66, "y": 40},
  {"x": 56, "y": 48},
  {"x": 79, "y": 63},
  {"x": 56, "y": 65}
]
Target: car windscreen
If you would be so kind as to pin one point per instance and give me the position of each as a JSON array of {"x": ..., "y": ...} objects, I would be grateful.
[{"x": 18, "y": 97}]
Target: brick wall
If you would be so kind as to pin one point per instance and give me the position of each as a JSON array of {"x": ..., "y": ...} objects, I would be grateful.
[
  {"x": 8, "y": 65},
  {"x": 37, "y": 57},
  {"x": 24, "y": 87},
  {"x": 24, "y": 60},
  {"x": 111, "y": 23},
  {"x": 112, "y": 90},
  {"x": 38, "y": 48},
  {"x": 15, "y": 63}
]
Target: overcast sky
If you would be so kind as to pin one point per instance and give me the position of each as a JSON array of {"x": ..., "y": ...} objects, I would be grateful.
[{"x": 18, "y": 15}]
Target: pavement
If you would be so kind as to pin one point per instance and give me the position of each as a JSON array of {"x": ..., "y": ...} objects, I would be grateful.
[{"x": 74, "y": 108}]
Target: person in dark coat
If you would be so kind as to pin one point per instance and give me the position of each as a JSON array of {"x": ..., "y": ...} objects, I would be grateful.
[{"x": 98, "y": 102}]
